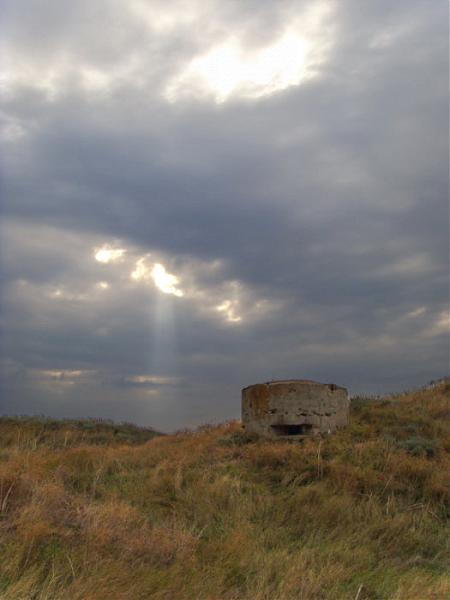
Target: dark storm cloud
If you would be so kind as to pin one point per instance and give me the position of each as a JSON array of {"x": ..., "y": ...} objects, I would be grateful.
[{"x": 318, "y": 212}]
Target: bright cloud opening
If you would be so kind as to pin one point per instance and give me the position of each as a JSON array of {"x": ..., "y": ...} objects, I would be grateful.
[
  {"x": 441, "y": 325},
  {"x": 151, "y": 380},
  {"x": 166, "y": 282},
  {"x": 106, "y": 254},
  {"x": 140, "y": 271},
  {"x": 228, "y": 309},
  {"x": 418, "y": 312},
  {"x": 64, "y": 377},
  {"x": 227, "y": 69}
]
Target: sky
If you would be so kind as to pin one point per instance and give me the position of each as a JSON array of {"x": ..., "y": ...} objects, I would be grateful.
[{"x": 199, "y": 195}]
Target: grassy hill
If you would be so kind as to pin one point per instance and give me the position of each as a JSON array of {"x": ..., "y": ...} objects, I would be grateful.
[
  {"x": 97, "y": 511},
  {"x": 29, "y": 433}
]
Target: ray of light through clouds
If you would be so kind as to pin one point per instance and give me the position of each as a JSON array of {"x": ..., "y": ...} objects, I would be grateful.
[{"x": 209, "y": 194}]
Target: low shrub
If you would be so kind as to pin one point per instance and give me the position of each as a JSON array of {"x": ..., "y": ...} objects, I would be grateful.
[
  {"x": 240, "y": 437},
  {"x": 419, "y": 446}
]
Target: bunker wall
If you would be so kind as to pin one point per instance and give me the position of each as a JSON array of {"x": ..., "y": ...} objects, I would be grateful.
[{"x": 295, "y": 407}]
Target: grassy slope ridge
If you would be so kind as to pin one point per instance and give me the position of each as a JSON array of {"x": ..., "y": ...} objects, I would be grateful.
[
  {"x": 29, "y": 433},
  {"x": 212, "y": 515}
]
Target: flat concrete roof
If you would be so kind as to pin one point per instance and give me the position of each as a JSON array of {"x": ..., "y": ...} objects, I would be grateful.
[{"x": 301, "y": 381}]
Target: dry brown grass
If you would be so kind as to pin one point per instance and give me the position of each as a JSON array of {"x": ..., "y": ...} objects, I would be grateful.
[{"x": 211, "y": 515}]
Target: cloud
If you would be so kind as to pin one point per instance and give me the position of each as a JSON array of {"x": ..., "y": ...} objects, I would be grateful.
[
  {"x": 106, "y": 254},
  {"x": 285, "y": 215}
]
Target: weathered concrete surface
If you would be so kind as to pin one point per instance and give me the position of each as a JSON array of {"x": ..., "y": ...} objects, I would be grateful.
[{"x": 294, "y": 407}]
